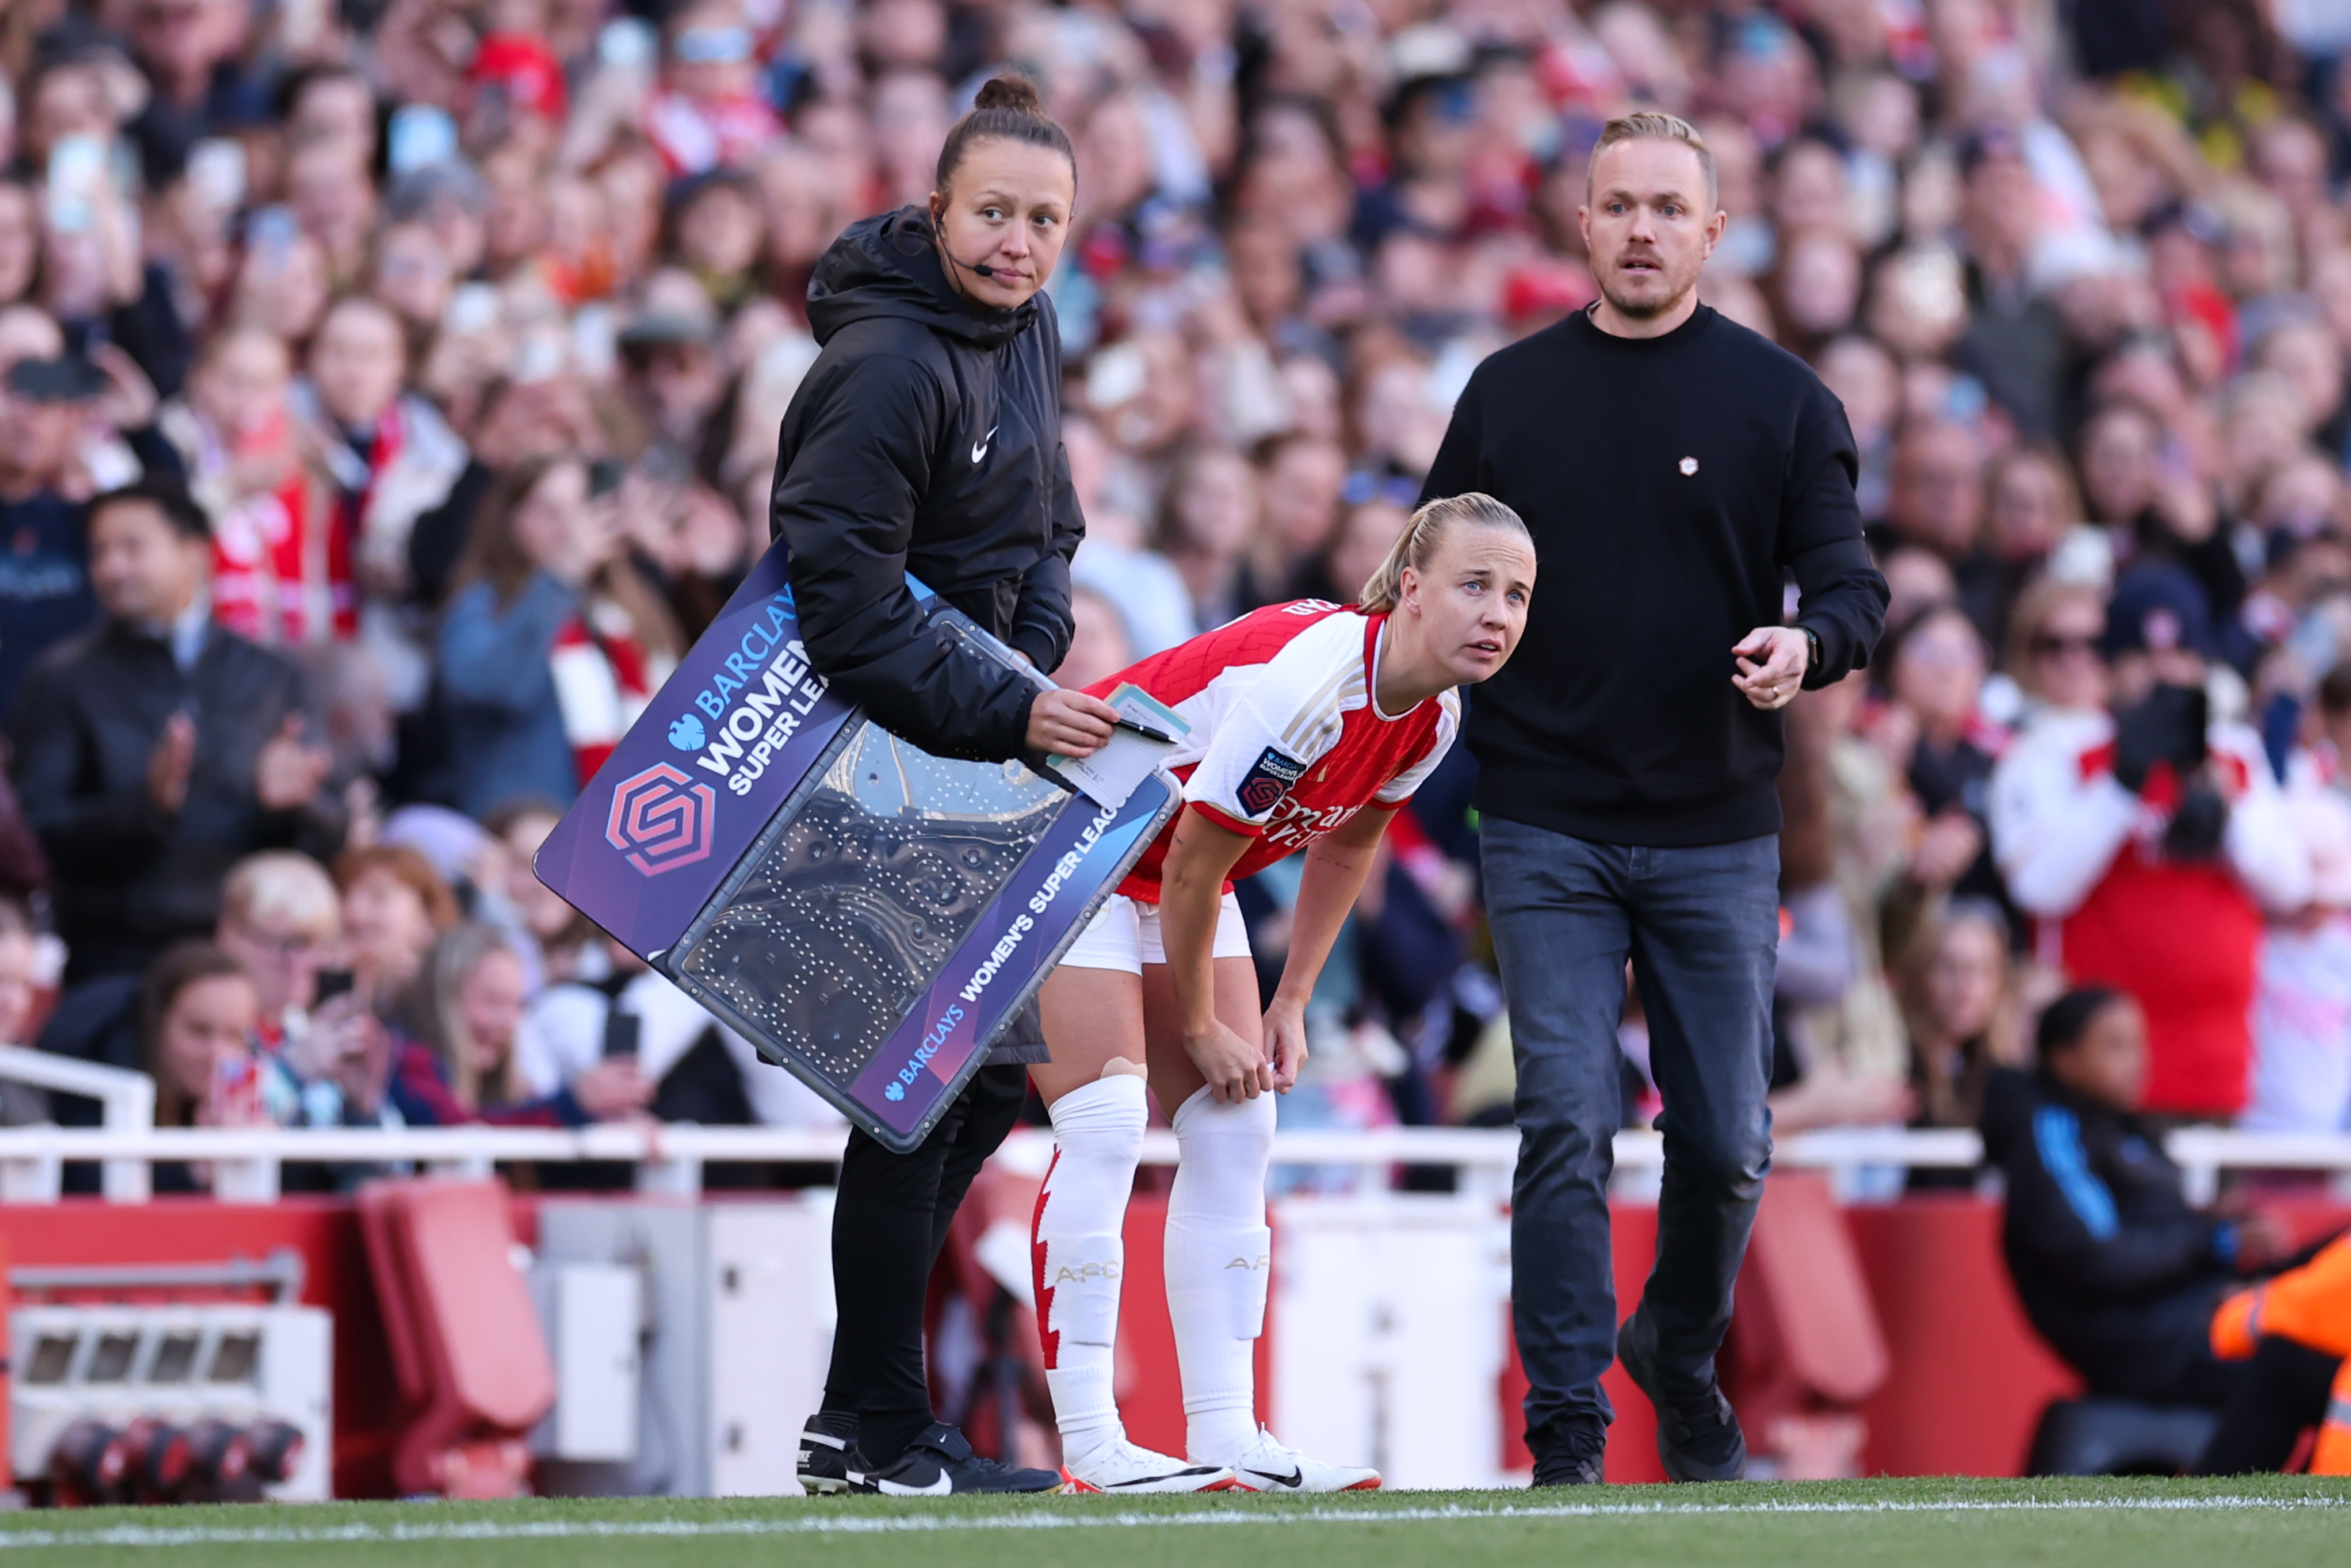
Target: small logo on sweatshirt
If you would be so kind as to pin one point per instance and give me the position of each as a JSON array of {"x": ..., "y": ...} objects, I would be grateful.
[
  {"x": 1688, "y": 466},
  {"x": 979, "y": 448}
]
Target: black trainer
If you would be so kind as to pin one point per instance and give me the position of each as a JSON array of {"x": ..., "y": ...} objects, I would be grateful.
[
  {"x": 1569, "y": 1455},
  {"x": 940, "y": 1463},
  {"x": 828, "y": 1453},
  {"x": 1699, "y": 1437}
]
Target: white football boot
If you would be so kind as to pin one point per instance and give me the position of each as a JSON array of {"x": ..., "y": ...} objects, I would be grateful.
[
  {"x": 1119, "y": 1466},
  {"x": 1267, "y": 1464}
]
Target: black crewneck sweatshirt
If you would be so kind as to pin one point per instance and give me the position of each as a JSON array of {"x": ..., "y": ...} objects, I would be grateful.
[{"x": 1672, "y": 484}]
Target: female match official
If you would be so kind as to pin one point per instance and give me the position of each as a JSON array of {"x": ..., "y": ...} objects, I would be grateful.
[{"x": 926, "y": 438}]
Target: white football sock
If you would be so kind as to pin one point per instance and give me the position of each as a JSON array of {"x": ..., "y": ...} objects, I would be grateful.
[
  {"x": 1077, "y": 1249},
  {"x": 1217, "y": 1260}
]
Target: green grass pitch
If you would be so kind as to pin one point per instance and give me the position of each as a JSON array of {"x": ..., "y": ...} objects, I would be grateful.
[{"x": 2265, "y": 1520}]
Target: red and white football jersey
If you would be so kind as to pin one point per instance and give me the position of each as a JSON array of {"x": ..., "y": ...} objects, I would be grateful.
[{"x": 1286, "y": 742}]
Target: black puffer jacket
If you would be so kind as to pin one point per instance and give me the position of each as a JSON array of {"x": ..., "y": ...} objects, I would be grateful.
[
  {"x": 926, "y": 438},
  {"x": 2117, "y": 1271}
]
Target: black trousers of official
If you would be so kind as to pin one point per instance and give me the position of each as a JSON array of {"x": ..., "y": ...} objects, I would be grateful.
[{"x": 889, "y": 1221}]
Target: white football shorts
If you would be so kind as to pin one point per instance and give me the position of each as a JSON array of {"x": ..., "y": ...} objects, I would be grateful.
[{"x": 1124, "y": 935}]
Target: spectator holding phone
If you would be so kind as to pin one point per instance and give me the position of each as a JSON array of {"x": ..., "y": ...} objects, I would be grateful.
[
  {"x": 456, "y": 1060},
  {"x": 95, "y": 278},
  {"x": 281, "y": 920},
  {"x": 394, "y": 907},
  {"x": 282, "y": 561},
  {"x": 1935, "y": 666},
  {"x": 552, "y": 646},
  {"x": 157, "y": 749},
  {"x": 2150, "y": 841},
  {"x": 197, "y": 1014}
]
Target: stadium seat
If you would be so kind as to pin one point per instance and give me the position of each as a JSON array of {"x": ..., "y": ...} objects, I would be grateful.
[
  {"x": 2119, "y": 1438},
  {"x": 1806, "y": 1351},
  {"x": 466, "y": 1344}
]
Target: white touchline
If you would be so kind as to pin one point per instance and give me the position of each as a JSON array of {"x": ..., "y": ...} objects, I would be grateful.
[{"x": 889, "y": 1524}]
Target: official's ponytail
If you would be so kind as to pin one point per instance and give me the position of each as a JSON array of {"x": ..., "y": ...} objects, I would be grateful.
[
  {"x": 1007, "y": 110},
  {"x": 1417, "y": 544}
]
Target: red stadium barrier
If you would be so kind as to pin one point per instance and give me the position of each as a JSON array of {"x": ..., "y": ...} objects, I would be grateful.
[
  {"x": 1966, "y": 1379},
  {"x": 1970, "y": 1377}
]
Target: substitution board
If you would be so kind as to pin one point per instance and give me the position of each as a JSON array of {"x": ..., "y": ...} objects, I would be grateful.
[{"x": 868, "y": 915}]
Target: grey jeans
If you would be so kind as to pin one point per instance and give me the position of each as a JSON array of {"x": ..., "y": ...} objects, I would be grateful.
[{"x": 1701, "y": 927}]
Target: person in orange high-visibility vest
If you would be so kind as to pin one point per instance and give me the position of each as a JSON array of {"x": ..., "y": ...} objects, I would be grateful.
[{"x": 2295, "y": 1329}]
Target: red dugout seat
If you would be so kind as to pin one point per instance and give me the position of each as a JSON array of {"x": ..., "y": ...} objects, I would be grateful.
[
  {"x": 1806, "y": 1350},
  {"x": 466, "y": 1344}
]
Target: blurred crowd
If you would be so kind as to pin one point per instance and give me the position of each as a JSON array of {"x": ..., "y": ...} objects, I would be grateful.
[{"x": 389, "y": 392}]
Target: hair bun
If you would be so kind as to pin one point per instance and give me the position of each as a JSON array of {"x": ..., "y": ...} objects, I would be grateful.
[{"x": 1010, "y": 91}]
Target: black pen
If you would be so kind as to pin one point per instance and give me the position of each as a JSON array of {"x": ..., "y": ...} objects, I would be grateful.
[{"x": 1145, "y": 731}]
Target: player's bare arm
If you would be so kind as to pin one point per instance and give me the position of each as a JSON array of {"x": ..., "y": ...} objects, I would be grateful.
[
  {"x": 1336, "y": 868},
  {"x": 1202, "y": 856}
]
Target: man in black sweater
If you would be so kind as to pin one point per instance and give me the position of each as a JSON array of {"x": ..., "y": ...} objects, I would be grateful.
[{"x": 1675, "y": 468}]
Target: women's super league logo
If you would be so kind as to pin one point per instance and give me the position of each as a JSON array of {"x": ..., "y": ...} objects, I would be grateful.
[{"x": 661, "y": 820}]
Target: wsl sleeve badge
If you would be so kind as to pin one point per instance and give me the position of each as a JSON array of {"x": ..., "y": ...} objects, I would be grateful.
[{"x": 1268, "y": 780}]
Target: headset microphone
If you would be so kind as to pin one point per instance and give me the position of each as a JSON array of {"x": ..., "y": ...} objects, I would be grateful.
[{"x": 981, "y": 270}]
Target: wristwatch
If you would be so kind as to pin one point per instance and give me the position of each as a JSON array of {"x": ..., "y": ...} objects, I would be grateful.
[{"x": 1811, "y": 651}]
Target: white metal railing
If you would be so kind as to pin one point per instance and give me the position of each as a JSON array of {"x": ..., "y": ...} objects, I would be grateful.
[
  {"x": 245, "y": 1162},
  {"x": 126, "y": 1101},
  {"x": 2204, "y": 1153}
]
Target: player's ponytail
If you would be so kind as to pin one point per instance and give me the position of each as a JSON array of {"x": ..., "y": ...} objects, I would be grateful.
[{"x": 1417, "y": 544}]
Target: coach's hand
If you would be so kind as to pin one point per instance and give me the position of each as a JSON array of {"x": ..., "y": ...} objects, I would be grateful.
[
  {"x": 1068, "y": 722},
  {"x": 1772, "y": 661},
  {"x": 1235, "y": 1068}
]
